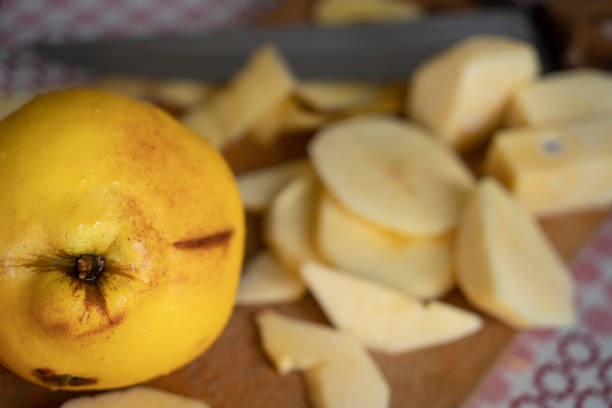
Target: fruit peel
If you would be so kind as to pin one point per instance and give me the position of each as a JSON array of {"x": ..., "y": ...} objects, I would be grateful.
[{"x": 89, "y": 172}]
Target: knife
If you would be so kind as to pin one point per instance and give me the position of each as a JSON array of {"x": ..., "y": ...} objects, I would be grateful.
[{"x": 361, "y": 52}]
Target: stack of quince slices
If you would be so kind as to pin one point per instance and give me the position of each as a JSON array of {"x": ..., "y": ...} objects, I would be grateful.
[
  {"x": 383, "y": 218},
  {"x": 380, "y": 223}
]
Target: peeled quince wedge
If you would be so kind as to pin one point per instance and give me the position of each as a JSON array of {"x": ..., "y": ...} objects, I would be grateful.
[
  {"x": 556, "y": 169},
  {"x": 294, "y": 344},
  {"x": 264, "y": 81},
  {"x": 339, "y": 371},
  {"x": 507, "y": 267},
  {"x": 349, "y": 381},
  {"x": 463, "y": 92},
  {"x": 383, "y": 318}
]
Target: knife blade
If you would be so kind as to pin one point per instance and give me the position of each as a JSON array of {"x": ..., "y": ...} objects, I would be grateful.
[{"x": 361, "y": 52}]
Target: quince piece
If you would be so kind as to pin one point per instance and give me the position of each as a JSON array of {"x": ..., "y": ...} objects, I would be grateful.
[
  {"x": 462, "y": 93},
  {"x": 383, "y": 318},
  {"x": 507, "y": 267},
  {"x": 558, "y": 168}
]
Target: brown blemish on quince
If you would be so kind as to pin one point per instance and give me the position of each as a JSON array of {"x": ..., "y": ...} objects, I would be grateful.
[
  {"x": 90, "y": 293},
  {"x": 95, "y": 302},
  {"x": 60, "y": 327},
  {"x": 112, "y": 323},
  {"x": 48, "y": 377},
  {"x": 94, "y": 298},
  {"x": 214, "y": 240}
]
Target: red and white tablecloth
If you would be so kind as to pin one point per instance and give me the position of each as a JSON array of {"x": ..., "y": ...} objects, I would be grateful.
[
  {"x": 27, "y": 21},
  {"x": 567, "y": 368},
  {"x": 571, "y": 368}
]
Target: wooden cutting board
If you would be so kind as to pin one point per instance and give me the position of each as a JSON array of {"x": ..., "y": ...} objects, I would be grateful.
[{"x": 235, "y": 373}]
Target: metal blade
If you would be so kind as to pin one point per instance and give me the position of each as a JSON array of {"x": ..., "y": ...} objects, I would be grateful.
[{"x": 365, "y": 51}]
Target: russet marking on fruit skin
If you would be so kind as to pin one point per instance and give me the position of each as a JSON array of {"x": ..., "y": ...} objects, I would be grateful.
[
  {"x": 49, "y": 377},
  {"x": 94, "y": 301},
  {"x": 94, "y": 298},
  {"x": 104, "y": 328},
  {"x": 60, "y": 327},
  {"x": 208, "y": 241}
]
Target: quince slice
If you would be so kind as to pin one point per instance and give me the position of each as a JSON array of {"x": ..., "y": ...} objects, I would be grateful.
[
  {"x": 419, "y": 266},
  {"x": 382, "y": 318},
  {"x": 462, "y": 93},
  {"x": 392, "y": 174},
  {"x": 507, "y": 267},
  {"x": 258, "y": 188},
  {"x": 289, "y": 221},
  {"x": 339, "y": 371},
  {"x": 134, "y": 397},
  {"x": 266, "y": 281},
  {"x": 563, "y": 96}
]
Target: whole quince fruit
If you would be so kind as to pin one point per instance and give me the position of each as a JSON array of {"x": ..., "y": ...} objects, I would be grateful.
[{"x": 121, "y": 241}]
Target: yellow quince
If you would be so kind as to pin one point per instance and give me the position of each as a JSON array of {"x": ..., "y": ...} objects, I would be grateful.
[{"x": 121, "y": 241}]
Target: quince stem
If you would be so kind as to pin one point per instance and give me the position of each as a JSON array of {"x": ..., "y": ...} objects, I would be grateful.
[{"x": 88, "y": 267}]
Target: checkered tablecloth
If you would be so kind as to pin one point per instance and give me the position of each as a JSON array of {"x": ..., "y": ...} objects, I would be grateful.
[
  {"x": 570, "y": 368},
  {"x": 24, "y": 22}
]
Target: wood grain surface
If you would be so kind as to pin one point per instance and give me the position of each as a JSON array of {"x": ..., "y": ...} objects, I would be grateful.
[{"x": 235, "y": 373}]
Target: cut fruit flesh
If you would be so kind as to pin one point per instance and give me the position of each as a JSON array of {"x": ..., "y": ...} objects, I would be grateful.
[
  {"x": 286, "y": 117},
  {"x": 461, "y": 94},
  {"x": 338, "y": 96},
  {"x": 266, "y": 281},
  {"x": 294, "y": 344},
  {"x": 181, "y": 93},
  {"x": 288, "y": 224},
  {"x": 418, "y": 266},
  {"x": 352, "y": 381},
  {"x": 258, "y": 188},
  {"x": 133, "y": 398},
  {"x": 391, "y": 173},
  {"x": 556, "y": 169},
  {"x": 264, "y": 82},
  {"x": 134, "y": 87},
  {"x": 382, "y": 318},
  {"x": 200, "y": 120},
  {"x": 339, "y": 371},
  {"x": 507, "y": 267},
  {"x": 561, "y": 97}
]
